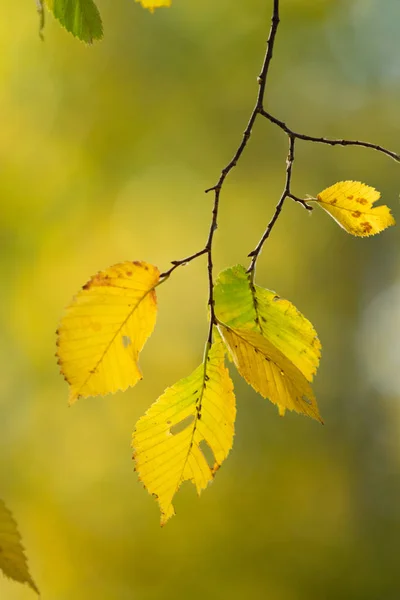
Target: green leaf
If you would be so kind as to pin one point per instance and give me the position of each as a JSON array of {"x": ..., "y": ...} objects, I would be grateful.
[
  {"x": 251, "y": 314},
  {"x": 239, "y": 303},
  {"x": 13, "y": 561},
  {"x": 79, "y": 17}
]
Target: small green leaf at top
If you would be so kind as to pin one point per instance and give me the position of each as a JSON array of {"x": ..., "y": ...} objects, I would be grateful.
[{"x": 79, "y": 17}]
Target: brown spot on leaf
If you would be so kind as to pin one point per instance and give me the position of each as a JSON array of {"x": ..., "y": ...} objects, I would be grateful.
[
  {"x": 137, "y": 263},
  {"x": 334, "y": 201},
  {"x": 350, "y": 197},
  {"x": 367, "y": 227},
  {"x": 362, "y": 201},
  {"x": 215, "y": 468},
  {"x": 98, "y": 281},
  {"x": 129, "y": 273},
  {"x": 356, "y": 214}
]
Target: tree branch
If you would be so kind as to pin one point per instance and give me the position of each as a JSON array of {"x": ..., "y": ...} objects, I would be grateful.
[
  {"x": 180, "y": 263},
  {"x": 254, "y": 254},
  {"x": 329, "y": 141},
  {"x": 287, "y": 193},
  {"x": 262, "y": 81},
  {"x": 40, "y": 10}
]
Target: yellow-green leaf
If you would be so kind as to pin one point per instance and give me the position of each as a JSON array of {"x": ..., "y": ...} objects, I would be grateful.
[
  {"x": 269, "y": 372},
  {"x": 152, "y": 4},
  {"x": 105, "y": 328},
  {"x": 168, "y": 439},
  {"x": 13, "y": 561},
  {"x": 350, "y": 203},
  {"x": 242, "y": 305},
  {"x": 79, "y": 17}
]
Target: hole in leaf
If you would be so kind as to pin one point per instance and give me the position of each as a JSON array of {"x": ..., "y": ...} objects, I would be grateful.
[
  {"x": 126, "y": 341},
  {"x": 178, "y": 427},
  {"x": 207, "y": 453}
]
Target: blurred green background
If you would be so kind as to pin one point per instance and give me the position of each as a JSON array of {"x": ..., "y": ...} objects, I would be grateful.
[{"x": 105, "y": 154}]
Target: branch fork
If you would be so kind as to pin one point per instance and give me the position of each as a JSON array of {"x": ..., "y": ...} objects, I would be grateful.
[{"x": 293, "y": 136}]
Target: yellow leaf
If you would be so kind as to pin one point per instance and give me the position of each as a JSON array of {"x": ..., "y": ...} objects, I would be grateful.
[
  {"x": 105, "y": 327},
  {"x": 169, "y": 439},
  {"x": 269, "y": 371},
  {"x": 242, "y": 305},
  {"x": 350, "y": 203},
  {"x": 13, "y": 561},
  {"x": 152, "y": 4}
]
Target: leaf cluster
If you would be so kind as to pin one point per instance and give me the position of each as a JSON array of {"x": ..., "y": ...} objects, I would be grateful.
[{"x": 188, "y": 432}]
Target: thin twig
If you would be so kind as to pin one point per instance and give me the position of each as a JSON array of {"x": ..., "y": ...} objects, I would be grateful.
[
  {"x": 285, "y": 194},
  {"x": 182, "y": 262},
  {"x": 262, "y": 82},
  {"x": 301, "y": 201},
  {"x": 329, "y": 141},
  {"x": 40, "y": 10}
]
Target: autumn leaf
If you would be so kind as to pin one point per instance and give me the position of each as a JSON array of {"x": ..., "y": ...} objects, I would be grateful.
[
  {"x": 105, "y": 328},
  {"x": 152, "y": 4},
  {"x": 239, "y": 303},
  {"x": 79, "y": 17},
  {"x": 274, "y": 347},
  {"x": 350, "y": 203},
  {"x": 269, "y": 372},
  {"x": 169, "y": 439},
  {"x": 13, "y": 561}
]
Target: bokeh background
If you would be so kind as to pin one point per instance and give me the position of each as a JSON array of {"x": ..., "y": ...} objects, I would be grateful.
[{"x": 105, "y": 153}]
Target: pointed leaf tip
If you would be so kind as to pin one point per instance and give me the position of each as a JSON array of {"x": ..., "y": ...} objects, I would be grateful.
[
  {"x": 350, "y": 204},
  {"x": 13, "y": 561},
  {"x": 105, "y": 328}
]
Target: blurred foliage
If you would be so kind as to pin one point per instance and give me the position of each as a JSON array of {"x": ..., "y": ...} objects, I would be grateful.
[
  {"x": 105, "y": 153},
  {"x": 13, "y": 561}
]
